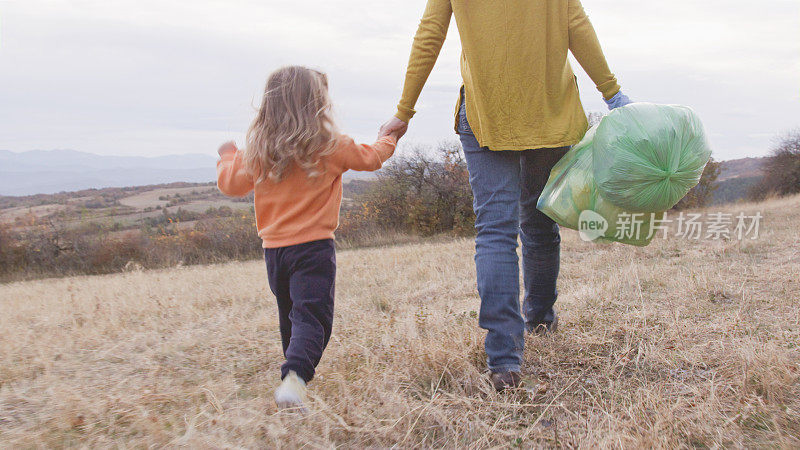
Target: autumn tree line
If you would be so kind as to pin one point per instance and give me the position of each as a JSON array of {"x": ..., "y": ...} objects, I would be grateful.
[{"x": 421, "y": 193}]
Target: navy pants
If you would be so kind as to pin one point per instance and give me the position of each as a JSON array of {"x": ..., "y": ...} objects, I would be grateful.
[{"x": 302, "y": 278}]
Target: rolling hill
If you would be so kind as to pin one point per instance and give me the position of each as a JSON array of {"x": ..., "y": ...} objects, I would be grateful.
[
  {"x": 681, "y": 344},
  {"x": 736, "y": 177}
]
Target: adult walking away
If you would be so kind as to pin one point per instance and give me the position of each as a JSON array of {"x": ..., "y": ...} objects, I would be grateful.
[{"x": 518, "y": 113}]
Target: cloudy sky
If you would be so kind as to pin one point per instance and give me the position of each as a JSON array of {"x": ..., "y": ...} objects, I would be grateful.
[{"x": 155, "y": 77}]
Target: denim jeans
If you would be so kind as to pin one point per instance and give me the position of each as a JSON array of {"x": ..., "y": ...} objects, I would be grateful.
[{"x": 506, "y": 186}]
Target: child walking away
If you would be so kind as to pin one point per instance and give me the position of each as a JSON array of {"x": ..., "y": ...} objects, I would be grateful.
[{"x": 294, "y": 162}]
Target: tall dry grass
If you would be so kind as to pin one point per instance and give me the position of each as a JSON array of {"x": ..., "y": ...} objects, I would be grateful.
[{"x": 679, "y": 344}]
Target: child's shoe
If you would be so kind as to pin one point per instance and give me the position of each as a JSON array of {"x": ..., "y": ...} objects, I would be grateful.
[{"x": 291, "y": 393}]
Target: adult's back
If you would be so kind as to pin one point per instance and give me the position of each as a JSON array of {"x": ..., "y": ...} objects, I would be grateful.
[{"x": 520, "y": 90}]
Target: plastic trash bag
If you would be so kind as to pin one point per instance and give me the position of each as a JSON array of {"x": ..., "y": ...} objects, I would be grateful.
[
  {"x": 572, "y": 199},
  {"x": 647, "y": 157}
]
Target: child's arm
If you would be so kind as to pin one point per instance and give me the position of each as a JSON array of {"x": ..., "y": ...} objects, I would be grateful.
[
  {"x": 232, "y": 179},
  {"x": 366, "y": 157}
]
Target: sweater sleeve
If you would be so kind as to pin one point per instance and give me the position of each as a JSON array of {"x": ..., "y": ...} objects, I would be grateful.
[
  {"x": 232, "y": 178},
  {"x": 427, "y": 43},
  {"x": 365, "y": 157},
  {"x": 585, "y": 46}
]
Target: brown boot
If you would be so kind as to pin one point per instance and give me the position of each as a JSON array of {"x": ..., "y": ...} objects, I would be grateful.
[{"x": 506, "y": 380}]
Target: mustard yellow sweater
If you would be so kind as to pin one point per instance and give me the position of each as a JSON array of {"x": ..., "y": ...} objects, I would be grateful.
[{"x": 520, "y": 90}]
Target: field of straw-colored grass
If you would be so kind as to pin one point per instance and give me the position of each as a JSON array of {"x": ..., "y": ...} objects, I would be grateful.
[{"x": 679, "y": 344}]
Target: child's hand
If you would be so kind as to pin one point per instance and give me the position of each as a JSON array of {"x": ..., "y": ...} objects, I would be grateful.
[
  {"x": 229, "y": 146},
  {"x": 397, "y": 134}
]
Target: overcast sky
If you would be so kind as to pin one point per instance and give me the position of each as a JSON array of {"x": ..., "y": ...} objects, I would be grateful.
[{"x": 156, "y": 77}]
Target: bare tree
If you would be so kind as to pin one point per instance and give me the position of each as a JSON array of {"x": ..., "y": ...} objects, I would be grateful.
[{"x": 595, "y": 117}]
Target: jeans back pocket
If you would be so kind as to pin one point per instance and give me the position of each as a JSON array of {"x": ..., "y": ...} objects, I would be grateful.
[{"x": 463, "y": 124}]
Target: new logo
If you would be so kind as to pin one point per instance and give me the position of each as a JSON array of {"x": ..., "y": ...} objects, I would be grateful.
[{"x": 591, "y": 225}]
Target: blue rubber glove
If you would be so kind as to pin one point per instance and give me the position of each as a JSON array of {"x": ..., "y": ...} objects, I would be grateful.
[{"x": 619, "y": 99}]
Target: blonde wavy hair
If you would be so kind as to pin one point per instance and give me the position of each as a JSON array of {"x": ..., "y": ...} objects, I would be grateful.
[{"x": 294, "y": 125}]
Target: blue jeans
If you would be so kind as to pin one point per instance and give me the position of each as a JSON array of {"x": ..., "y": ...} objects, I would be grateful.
[{"x": 506, "y": 186}]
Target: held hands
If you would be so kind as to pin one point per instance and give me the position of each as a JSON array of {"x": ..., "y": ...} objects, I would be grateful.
[
  {"x": 229, "y": 146},
  {"x": 394, "y": 127},
  {"x": 396, "y": 134},
  {"x": 619, "y": 99}
]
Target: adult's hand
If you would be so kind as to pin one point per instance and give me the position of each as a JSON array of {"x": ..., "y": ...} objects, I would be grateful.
[
  {"x": 393, "y": 126},
  {"x": 618, "y": 100}
]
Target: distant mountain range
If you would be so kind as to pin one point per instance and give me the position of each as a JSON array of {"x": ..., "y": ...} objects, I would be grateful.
[
  {"x": 736, "y": 177},
  {"x": 52, "y": 171},
  {"x": 741, "y": 168},
  {"x": 48, "y": 172}
]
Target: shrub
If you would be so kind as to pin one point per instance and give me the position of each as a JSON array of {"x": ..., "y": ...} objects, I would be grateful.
[
  {"x": 46, "y": 249},
  {"x": 421, "y": 194},
  {"x": 702, "y": 194},
  {"x": 781, "y": 170}
]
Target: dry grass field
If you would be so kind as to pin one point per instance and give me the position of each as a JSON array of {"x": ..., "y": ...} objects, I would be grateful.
[
  {"x": 151, "y": 198},
  {"x": 678, "y": 344}
]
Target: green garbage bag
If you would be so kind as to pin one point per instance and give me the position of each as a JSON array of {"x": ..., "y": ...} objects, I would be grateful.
[
  {"x": 571, "y": 198},
  {"x": 647, "y": 157}
]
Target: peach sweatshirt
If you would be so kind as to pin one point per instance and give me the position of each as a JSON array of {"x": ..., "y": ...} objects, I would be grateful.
[{"x": 300, "y": 209}]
